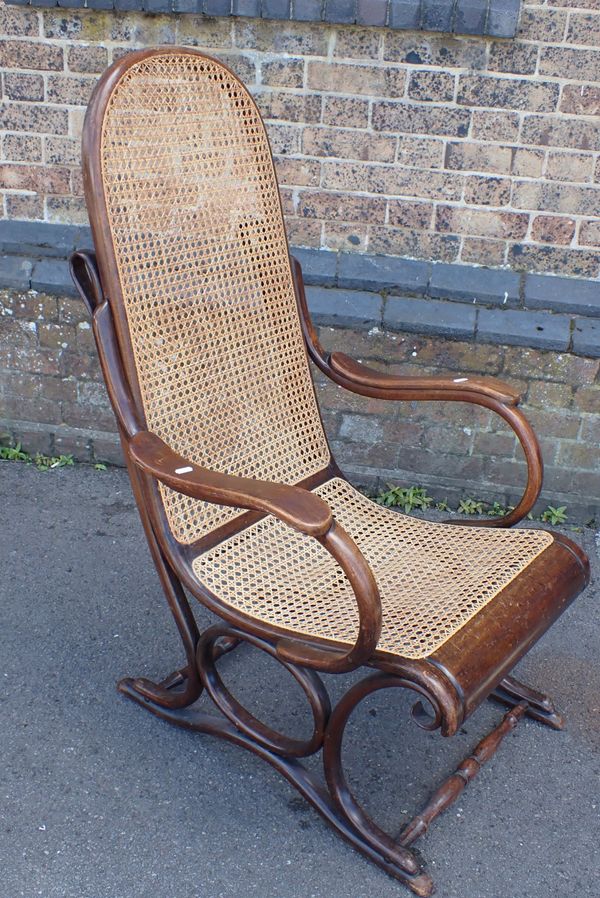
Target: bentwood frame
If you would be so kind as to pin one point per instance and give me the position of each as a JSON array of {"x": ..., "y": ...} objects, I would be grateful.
[{"x": 475, "y": 660}]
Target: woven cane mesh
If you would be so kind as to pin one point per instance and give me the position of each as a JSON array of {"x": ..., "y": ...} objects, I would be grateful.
[
  {"x": 433, "y": 578},
  {"x": 195, "y": 220}
]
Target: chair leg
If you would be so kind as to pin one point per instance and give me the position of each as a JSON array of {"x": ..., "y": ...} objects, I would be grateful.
[
  {"x": 333, "y": 798},
  {"x": 539, "y": 706},
  {"x": 285, "y": 754}
]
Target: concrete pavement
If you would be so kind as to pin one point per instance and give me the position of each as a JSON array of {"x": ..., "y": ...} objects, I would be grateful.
[{"x": 101, "y": 800}]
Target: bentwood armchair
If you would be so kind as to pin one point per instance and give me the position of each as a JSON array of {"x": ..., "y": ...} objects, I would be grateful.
[{"x": 204, "y": 335}]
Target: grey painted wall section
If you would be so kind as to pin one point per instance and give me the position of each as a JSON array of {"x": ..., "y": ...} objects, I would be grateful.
[
  {"x": 365, "y": 291},
  {"x": 493, "y": 18}
]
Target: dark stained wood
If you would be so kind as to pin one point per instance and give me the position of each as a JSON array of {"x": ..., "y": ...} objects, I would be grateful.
[
  {"x": 488, "y": 647},
  {"x": 413, "y": 388},
  {"x": 487, "y": 392},
  {"x": 301, "y": 509},
  {"x": 474, "y": 664},
  {"x": 452, "y": 788}
]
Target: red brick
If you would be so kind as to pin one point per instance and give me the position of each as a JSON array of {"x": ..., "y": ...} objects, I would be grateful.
[
  {"x": 472, "y": 222},
  {"x": 67, "y": 209},
  {"x": 589, "y": 233},
  {"x": 542, "y": 25},
  {"x": 507, "y": 93},
  {"x": 28, "y": 206},
  {"x": 416, "y": 244},
  {"x": 487, "y": 191},
  {"x": 570, "y": 167},
  {"x": 70, "y": 90},
  {"x": 87, "y": 59},
  {"x": 31, "y": 117},
  {"x": 584, "y": 28},
  {"x": 478, "y": 157},
  {"x": 302, "y": 172},
  {"x": 580, "y": 99},
  {"x": 410, "y": 215},
  {"x": 415, "y": 48},
  {"x": 22, "y": 148},
  {"x": 345, "y": 236},
  {"x": 431, "y": 87},
  {"x": 546, "y": 130},
  {"x": 290, "y": 107},
  {"x": 44, "y": 179},
  {"x": 357, "y": 43},
  {"x": 351, "y": 112},
  {"x": 340, "y": 206},
  {"x": 411, "y": 118},
  {"x": 513, "y": 57},
  {"x": 553, "y": 259},
  {"x": 553, "y": 229},
  {"x": 19, "y": 86},
  {"x": 283, "y": 72},
  {"x": 348, "y": 144},
  {"x": 495, "y": 125},
  {"x": 380, "y": 81},
  {"x": 30, "y": 55},
  {"x": 568, "y": 62},
  {"x": 481, "y": 251},
  {"x": 19, "y": 21}
]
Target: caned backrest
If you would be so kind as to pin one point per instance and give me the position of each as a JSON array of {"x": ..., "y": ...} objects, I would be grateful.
[{"x": 193, "y": 220}]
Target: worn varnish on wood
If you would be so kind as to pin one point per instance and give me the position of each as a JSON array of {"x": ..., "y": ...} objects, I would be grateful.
[{"x": 204, "y": 337}]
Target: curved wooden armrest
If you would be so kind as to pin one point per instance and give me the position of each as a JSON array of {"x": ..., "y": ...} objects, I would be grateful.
[
  {"x": 297, "y": 507},
  {"x": 421, "y": 387},
  {"x": 302, "y": 510},
  {"x": 485, "y": 391},
  {"x": 488, "y": 392},
  {"x": 351, "y": 560}
]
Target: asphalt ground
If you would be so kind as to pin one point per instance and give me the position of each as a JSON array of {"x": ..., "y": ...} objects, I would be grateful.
[{"x": 99, "y": 799}]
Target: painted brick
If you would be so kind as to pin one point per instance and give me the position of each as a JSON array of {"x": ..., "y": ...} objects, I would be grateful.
[
  {"x": 52, "y": 276},
  {"x": 470, "y": 16},
  {"x": 429, "y": 316},
  {"x": 404, "y": 14},
  {"x": 503, "y": 17},
  {"x": 437, "y": 15},
  {"x": 15, "y": 271},
  {"x": 382, "y": 273},
  {"x": 342, "y": 11},
  {"x": 524, "y": 328},
  {"x": 562, "y": 295},
  {"x": 308, "y": 10},
  {"x": 342, "y": 307},
  {"x": 318, "y": 266},
  {"x": 275, "y": 9},
  {"x": 218, "y": 7},
  {"x": 483, "y": 285},
  {"x": 586, "y": 337},
  {"x": 372, "y": 12}
]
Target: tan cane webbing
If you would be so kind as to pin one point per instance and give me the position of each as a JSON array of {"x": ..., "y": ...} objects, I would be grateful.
[
  {"x": 194, "y": 213},
  {"x": 433, "y": 578}
]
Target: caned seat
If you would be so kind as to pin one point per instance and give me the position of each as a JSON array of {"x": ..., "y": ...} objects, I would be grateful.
[
  {"x": 204, "y": 336},
  {"x": 432, "y": 578}
]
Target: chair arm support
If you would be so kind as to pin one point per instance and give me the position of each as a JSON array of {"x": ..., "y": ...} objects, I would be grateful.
[
  {"x": 484, "y": 391},
  {"x": 301, "y": 509},
  {"x": 297, "y": 507},
  {"x": 414, "y": 388},
  {"x": 360, "y": 576},
  {"x": 488, "y": 392}
]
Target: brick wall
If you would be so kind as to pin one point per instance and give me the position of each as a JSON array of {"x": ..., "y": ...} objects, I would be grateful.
[
  {"x": 52, "y": 398},
  {"x": 397, "y": 142},
  {"x": 453, "y": 149}
]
